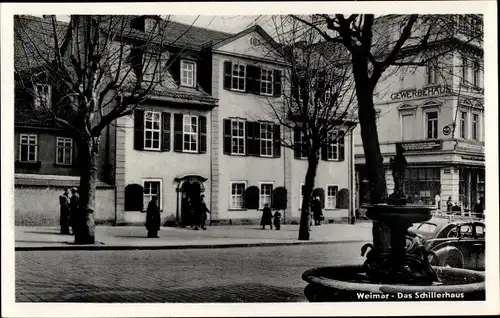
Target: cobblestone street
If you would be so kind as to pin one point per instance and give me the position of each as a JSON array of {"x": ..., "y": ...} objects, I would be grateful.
[{"x": 254, "y": 274}]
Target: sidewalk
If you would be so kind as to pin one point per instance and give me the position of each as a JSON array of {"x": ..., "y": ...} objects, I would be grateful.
[{"x": 134, "y": 237}]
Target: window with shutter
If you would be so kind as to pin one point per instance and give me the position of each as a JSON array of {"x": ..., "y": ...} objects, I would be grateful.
[
  {"x": 252, "y": 79},
  {"x": 139, "y": 129},
  {"x": 296, "y": 143},
  {"x": 134, "y": 197},
  {"x": 277, "y": 141},
  {"x": 227, "y": 74},
  {"x": 277, "y": 83},
  {"x": 237, "y": 194},
  {"x": 331, "y": 196},
  {"x": 266, "y": 139},
  {"x": 251, "y": 200},
  {"x": 265, "y": 194},
  {"x": 165, "y": 144},
  {"x": 266, "y": 82},
  {"x": 250, "y": 134},
  {"x": 203, "y": 134},
  {"x": 238, "y": 132},
  {"x": 227, "y": 136},
  {"x": 152, "y": 130},
  {"x": 341, "y": 146},
  {"x": 178, "y": 132}
]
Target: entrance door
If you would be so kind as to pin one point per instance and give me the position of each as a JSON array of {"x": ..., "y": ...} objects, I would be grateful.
[{"x": 191, "y": 192}]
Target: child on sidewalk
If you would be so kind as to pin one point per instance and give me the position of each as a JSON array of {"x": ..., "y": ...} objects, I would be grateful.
[{"x": 277, "y": 220}]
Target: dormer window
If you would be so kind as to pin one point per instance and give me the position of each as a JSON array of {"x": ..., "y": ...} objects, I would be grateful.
[
  {"x": 42, "y": 96},
  {"x": 188, "y": 73},
  {"x": 152, "y": 68}
]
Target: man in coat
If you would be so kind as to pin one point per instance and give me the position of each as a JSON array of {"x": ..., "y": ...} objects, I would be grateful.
[
  {"x": 153, "y": 217},
  {"x": 74, "y": 210},
  {"x": 64, "y": 212}
]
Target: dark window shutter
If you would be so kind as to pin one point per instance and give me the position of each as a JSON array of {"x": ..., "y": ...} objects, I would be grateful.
[
  {"x": 341, "y": 147},
  {"x": 174, "y": 69},
  {"x": 165, "y": 145},
  {"x": 253, "y": 79},
  {"x": 252, "y": 198},
  {"x": 227, "y": 74},
  {"x": 134, "y": 197},
  {"x": 202, "y": 129},
  {"x": 249, "y": 132},
  {"x": 324, "y": 152},
  {"x": 277, "y": 141},
  {"x": 178, "y": 132},
  {"x": 256, "y": 139},
  {"x": 296, "y": 143},
  {"x": 139, "y": 129},
  {"x": 277, "y": 83},
  {"x": 227, "y": 136}
]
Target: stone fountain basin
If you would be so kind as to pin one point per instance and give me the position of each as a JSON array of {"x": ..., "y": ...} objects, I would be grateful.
[{"x": 350, "y": 283}]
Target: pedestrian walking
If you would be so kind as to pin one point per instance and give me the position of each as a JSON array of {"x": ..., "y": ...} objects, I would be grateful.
[
  {"x": 479, "y": 208},
  {"x": 317, "y": 211},
  {"x": 74, "y": 210},
  {"x": 153, "y": 217},
  {"x": 267, "y": 217},
  {"x": 449, "y": 205},
  {"x": 64, "y": 211},
  {"x": 456, "y": 208},
  {"x": 277, "y": 219},
  {"x": 203, "y": 210}
]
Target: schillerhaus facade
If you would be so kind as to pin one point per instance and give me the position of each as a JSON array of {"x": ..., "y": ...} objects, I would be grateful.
[
  {"x": 205, "y": 129},
  {"x": 418, "y": 109}
]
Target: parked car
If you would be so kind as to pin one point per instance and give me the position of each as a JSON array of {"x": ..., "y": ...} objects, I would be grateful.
[{"x": 455, "y": 242}]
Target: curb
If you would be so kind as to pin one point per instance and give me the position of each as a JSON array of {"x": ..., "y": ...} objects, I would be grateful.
[{"x": 103, "y": 247}]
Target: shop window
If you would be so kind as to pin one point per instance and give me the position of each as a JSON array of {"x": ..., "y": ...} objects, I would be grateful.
[{"x": 422, "y": 184}]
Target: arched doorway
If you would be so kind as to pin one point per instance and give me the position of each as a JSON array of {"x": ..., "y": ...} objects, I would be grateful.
[{"x": 189, "y": 190}]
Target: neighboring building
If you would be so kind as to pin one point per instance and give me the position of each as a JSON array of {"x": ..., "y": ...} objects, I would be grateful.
[
  {"x": 45, "y": 156},
  {"x": 419, "y": 109}
]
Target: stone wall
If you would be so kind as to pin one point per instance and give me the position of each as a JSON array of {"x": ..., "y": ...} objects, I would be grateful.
[{"x": 39, "y": 205}]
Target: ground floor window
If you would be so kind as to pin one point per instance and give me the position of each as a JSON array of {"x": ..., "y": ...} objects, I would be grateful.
[
  {"x": 422, "y": 184},
  {"x": 237, "y": 194},
  {"x": 151, "y": 188},
  {"x": 331, "y": 196},
  {"x": 266, "y": 192}
]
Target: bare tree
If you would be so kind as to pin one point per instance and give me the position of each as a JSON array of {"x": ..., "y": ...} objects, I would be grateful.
[
  {"x": 318, "y": 101},
  {"x": 378, "y": 45},
  {"x": 97, "y": 68}
]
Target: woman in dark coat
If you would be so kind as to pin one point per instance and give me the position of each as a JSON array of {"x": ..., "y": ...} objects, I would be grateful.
[
  {"x": 153, "y": 218},
  {"x": 317, "y": 212},
  {"x": 267, "y": 217},
  {"x": 202, "y": 211}
]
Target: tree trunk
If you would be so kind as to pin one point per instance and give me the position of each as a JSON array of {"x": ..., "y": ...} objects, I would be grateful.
[
  {"x": 88, "y": 153},
  {"x": 367, "y": 120},
  {"x": 305, "y": 215}
]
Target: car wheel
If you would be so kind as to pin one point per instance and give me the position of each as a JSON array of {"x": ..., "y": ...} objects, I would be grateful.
[{"x": 453, "y": 260}]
